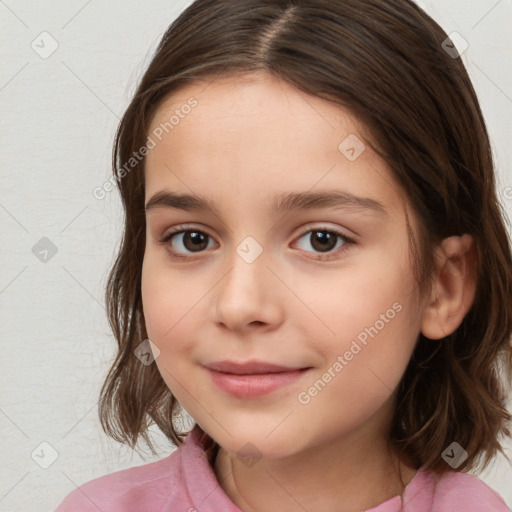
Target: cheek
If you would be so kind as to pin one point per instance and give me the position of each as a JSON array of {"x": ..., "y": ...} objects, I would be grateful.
[
  {"x": 156, "y": 304},
  {"x": 374, "y": 320},
  {"x": 169, "y": 316},
  {"x": 167, "y": 302},
  {"x": 363, "y": 365}
]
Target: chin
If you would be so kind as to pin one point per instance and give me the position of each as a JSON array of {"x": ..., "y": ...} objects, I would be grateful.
[{"x": 259, "y": 445}]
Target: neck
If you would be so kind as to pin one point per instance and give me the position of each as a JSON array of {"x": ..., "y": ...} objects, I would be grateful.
[{"x": 344, "y": 475}]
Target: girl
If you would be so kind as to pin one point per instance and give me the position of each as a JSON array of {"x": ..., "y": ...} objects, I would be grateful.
[{"x": 314, "y": 266}]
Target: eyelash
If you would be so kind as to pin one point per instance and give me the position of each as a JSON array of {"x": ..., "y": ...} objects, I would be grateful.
[{"x": 347, "y": 241}]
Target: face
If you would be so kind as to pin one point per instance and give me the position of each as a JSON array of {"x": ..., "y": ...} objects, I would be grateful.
[{"x": 325, "y": 287}]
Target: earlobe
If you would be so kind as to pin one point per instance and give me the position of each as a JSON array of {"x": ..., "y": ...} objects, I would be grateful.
[{"x": 453, "y": 289}]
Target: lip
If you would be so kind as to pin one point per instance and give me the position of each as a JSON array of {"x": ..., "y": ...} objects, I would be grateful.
[
  {"x": 249, "y": 367},
  {"x": 253, "y": 378}
]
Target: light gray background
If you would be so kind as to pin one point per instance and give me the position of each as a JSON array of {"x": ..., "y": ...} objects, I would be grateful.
[{"x": 57, "y": 122}]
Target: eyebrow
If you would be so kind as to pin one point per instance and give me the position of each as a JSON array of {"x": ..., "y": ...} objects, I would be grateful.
[{"x": 282, "y": 203}]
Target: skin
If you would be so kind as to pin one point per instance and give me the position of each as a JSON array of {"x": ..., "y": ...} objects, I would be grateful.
[{"x": 248, "y": 139}]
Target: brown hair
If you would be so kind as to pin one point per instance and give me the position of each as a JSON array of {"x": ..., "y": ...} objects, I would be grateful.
[{"x": 384, "y": 61}]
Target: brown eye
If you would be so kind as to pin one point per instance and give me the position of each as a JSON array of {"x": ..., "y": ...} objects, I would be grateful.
[
  {"x": 195, "y": 240},
  {"x": 183, "y": 241},
  {"x": 325, "y": 242}
]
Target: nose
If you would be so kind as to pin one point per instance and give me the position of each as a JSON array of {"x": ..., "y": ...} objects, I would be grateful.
[{"x": 248, "y": 295}]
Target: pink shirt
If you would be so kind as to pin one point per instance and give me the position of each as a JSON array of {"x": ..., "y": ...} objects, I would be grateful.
[{"x": 185, "y": 482}]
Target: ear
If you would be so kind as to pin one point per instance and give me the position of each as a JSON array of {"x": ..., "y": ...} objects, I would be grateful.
[{"x": 453, "y": 289}]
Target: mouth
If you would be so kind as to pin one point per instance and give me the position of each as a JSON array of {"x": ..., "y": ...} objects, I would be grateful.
[
  {"x": 253, "y": 379},
  {"x": 250, "y": 367}
]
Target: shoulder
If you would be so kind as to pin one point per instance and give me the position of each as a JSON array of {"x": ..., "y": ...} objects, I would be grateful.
[
  {"x": 461, "y": 491},
  {"x": 127, "y": 489}
]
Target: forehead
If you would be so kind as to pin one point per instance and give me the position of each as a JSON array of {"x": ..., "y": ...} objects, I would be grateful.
[
  {"x": 255, "y": 100},
  {"x": 258, "y": 135}
]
